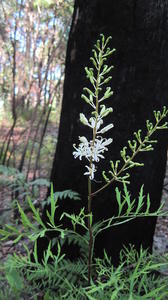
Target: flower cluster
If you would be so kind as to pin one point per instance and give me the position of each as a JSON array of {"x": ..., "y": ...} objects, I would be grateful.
[
  {"x": 91, "y": 151},
  {"x": 94, "y": 149}
]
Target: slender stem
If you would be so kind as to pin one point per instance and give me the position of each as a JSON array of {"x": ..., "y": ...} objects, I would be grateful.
[
  {"x": 90, "y": 229},
  {"x": 91, "y": 163},
  {"x": 128, "y": 161}
]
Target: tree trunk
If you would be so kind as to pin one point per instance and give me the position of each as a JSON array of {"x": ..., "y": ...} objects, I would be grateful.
[{"x": 139, "y": 30}]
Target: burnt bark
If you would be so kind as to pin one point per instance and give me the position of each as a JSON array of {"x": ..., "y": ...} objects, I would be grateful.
[{"x": 139, "y": 30}]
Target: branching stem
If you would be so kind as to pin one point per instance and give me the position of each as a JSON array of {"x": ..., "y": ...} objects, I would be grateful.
[{"x": 141, "y": 145}]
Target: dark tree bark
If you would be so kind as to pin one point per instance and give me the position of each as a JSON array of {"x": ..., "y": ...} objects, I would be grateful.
[{"x": 139, "y": 30}]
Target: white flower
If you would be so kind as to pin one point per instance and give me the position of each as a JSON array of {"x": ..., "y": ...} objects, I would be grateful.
[
  {"x": 83, "y": 149},
  {"x": 91, "y": 171},
  {"x": 106, "y": 128},
  {"x": 78, "y": 152},
  {"x": 93, "y": 123},
  {"x": 83, "y": 140},
  {"x": 99, "y": 148},
  {"x": 107, "y": 142},
  {"x": 89, "y": 151},
  {"x": 93, "y": 150}
]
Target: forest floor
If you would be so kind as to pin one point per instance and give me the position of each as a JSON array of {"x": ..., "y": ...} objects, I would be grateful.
[
  {"x": 6, "y": 213},
  {"x": 6, "y": 206},
  {"x": 46, "y": 158}
]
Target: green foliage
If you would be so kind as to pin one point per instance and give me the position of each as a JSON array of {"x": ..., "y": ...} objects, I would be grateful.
[
  {"x": 63, "y": 195},
  {"x": 56, "y": 277},
  {"x": 44, "y": 3},
  {"x": 137, "y": 277},
  {"x": 135, "y": 146},
  {"x": 16, "y": 182},
  {"x": 37, "y": 229},
  {"x": 98, "y": 75},
  {"x": 128, "y": 209}
]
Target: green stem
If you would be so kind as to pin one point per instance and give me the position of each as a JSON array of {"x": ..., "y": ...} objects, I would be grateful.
[
  {"x": 90, "y": 229},
  {"x": 129, "y": 160},
  {"x": 89, "y": 180}
]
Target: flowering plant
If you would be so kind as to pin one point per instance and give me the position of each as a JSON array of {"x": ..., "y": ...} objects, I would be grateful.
[
  {"x": 56, "y": 274},
  {"x": 94, "y": 149}
]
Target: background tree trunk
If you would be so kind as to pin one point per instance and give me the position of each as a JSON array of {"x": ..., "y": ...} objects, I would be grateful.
[{"x": 139, "y": 30}]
